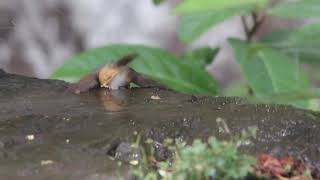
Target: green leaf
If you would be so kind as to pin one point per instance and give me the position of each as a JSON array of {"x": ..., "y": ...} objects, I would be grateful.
[
  {"x": 157, "y": 2},
  {"x": 190, "y": 6},
  {"x": 297, "y": 9},
  {"x": 192, "y": 25},
  {"x": 269, "y": 72},
  {"x": 302, "y": 43},
  {"x": 200, "y": 57},
  {"x": 155, "y": 63},
  {"x": 306, "y": 99},
  {"x": 195, "y": 23},
  {"x": 305, "y": 94},
  {"x": 239, "y": 89}
]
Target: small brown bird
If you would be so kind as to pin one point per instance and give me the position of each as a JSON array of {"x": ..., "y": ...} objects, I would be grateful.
[
  {"x": 117, "y": 74},
  {"x": 113, "y": 76}
]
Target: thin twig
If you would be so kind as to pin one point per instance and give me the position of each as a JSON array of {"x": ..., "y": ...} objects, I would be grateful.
[
  {"x": 245, "y": 26},
  {"x": 256, "y": 25},
  {"x": 257, "y": 22}
]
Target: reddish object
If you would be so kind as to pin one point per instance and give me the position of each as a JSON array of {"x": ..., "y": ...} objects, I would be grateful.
[
  {"x": 280, "y": 168},
  {"x": 269, "y": 164}
]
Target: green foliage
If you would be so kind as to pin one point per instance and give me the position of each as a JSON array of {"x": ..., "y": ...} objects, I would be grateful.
[
  {"x": 200, "y": 57},
  {"x": 239, "y": 89},
  {"x": 199, "y": 16},
  {"x": 155, "y": 63},
  {"x": 302, "y": 43},
  {"x": 271, "y": 67},
  {"x": 190, "y": 6},
  {"x": 157, "y": 2},
  {"x": 263, "y": 69},
  {"x": 297, "y": 9},
  {"x": 217, "y": 160},
  {"x": 214, "y": 159},
  {"x": 192, "y": 25}
]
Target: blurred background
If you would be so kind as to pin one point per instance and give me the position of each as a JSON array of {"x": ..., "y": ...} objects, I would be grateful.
[{"x": 37, "y": 36}]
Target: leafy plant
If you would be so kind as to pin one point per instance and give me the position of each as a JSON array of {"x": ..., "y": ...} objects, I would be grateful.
[
  {"x": 199, "y": 16},
  {"x": 301, "y": 43},
  {"x": 158, "y": 64},
  {"x": 273, "y": 67},
  {"x": 297, "y": 9},
  {"x": 213, "y": 159},
  {"x": 218, "y": 160},
  {"x": 263, "y": 68}
]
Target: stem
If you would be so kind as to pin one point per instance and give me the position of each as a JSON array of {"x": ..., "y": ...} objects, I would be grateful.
[
  {"x": 257, "y": 22},
  {"x": 245, "y": 26},
  {"x": 250, "y": 32}
]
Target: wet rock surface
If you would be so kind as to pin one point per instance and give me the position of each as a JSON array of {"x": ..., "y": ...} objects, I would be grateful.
[{"x": 48, "y": 133}]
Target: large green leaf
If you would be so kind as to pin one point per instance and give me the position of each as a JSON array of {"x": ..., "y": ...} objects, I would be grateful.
[
  {"x": 155, "y": 63},
  {"x": 200, "y": 57},
  {"x": 192, "y": 25},
  {"x": 269, "y": 72},
  {"x": 195, "y": 22},
  {"x": 297, "y": 9},
  {"x": 305, "y": 94},
  {"x": 302, "y": 43},
  {"x": 190, "y": 6},
  {"x": 238, "y": 89}
]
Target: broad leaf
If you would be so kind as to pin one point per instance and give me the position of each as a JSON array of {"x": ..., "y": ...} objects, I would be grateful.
[
  {"x": 269, "y": 72},
  {"x": 297, "y": 9},
  {"x": 200, "y": 57},
  {"x": 155, "y": 63},
  {"x": 193, "y": 25},
  {"x": 190, "y": 6},
  {"x": 306, "y": 99},
  {"x": 302, "y": 43},
  {"x": 306, "y": 94},
  {"x": 238, "y": 89}
]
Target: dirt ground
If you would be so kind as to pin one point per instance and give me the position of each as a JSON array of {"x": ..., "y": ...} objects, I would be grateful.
[{"x": 48, "y": 133}]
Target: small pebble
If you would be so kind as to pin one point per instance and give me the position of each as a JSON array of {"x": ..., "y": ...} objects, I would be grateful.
[
  {"x": 30, "y": 137},
  {"x": 155, "y": 97},
  {"x": 134, "y": 162},
  {"x": 46, "y": 162}
]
